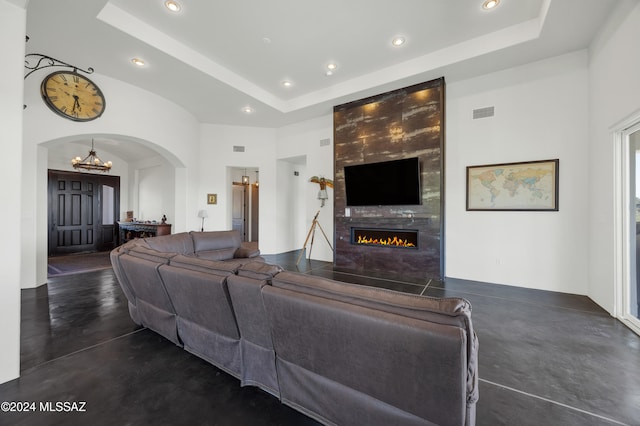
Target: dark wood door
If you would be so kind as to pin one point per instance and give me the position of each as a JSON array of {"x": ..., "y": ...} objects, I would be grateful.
[{"x": 77, "y": 212}]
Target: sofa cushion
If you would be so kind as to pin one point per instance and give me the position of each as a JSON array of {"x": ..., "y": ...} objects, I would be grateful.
[
  {"x": 215, "y": 240},
  {"x": 151, "y": 255},
  {"x": 204, "y": 265},
  {"x": 246, "y": 252},
  {"x": 136, "y": 242},
  {"x": 218, "y": 254},
  {"x": 206, "y": 323},
  {"x": 257, "y": 354},
  {"x": 259, "y": 270},
  {"x": 178, "y": 243}
]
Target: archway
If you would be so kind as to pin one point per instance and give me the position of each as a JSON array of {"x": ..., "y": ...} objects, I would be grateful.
[{"x": 56, "y": 153}]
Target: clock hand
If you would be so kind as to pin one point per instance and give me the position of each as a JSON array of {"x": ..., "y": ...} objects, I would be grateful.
[{"x": 76, "y": 103}]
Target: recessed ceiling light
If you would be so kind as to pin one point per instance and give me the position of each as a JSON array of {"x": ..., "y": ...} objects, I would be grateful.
[
  {"x": 138, "y": 62},
  {"x": 490, "y": 4},
  {"x": 331, "y": 67},
  {"x": 287, "y": 83},
  {"x": 172, "y": 5},
  {"x": 398, "y": 41},
  {"x": 247, "y": 110}
]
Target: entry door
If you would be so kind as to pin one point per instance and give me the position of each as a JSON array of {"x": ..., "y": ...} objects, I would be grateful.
[
  {"x": 79, "y": 205},
  {"x": 74, "y": 201}
]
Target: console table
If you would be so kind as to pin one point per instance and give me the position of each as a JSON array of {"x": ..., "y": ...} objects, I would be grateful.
[{"x": 131, "y": 230}]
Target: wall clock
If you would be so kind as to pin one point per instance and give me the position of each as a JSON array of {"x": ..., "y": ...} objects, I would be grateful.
[{"x": 72, "y": 96}]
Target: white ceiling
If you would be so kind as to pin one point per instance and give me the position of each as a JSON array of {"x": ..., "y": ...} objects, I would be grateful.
[{"x": 212, "y": 58}]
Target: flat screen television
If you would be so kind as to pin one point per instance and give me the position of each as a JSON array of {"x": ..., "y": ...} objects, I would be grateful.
[{"x": 388, "y": 183}]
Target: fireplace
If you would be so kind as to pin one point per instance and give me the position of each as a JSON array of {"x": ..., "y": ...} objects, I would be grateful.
[
  {"x": 377, "y": 237},
  {"x": 390, "y": 261}
]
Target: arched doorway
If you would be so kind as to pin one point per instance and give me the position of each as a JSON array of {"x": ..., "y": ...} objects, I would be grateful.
[{"x": 138, "y": 168}]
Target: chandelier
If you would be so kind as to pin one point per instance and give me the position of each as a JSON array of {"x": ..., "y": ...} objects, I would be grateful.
[{"x": 91, "y": 162}]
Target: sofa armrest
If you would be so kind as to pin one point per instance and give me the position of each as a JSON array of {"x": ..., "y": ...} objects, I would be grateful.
[{"x": 246, "y": 252}]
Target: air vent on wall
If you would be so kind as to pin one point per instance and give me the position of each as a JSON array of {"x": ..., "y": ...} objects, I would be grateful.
[
  {"x": 325, "y": 142},
  {"x": 238, "y": 148},
  {"x": 483, "y": 112}
]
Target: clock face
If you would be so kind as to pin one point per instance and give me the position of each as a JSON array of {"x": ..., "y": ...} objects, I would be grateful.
[{"x": 72, "y": 96}]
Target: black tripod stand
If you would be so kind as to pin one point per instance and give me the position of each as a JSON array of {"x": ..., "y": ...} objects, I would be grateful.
[{"x": 312, "y": 234}]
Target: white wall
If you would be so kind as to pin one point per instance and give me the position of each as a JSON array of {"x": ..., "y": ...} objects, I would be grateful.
[
  {"x": 614, "y": 91},
  {"x": 540, "y": 113},
  {"x": 12, "y": 34},
  {"x": 152, "y": 190},
  {"x": 292, "y": 209},
  {"x": 303, "y": 140},
  {"x": 280, "y": 193},
  {"x": 216, "y": 160}
]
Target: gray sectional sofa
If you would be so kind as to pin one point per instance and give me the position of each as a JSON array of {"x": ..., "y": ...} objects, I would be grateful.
[{"x": 342, "y": 354}]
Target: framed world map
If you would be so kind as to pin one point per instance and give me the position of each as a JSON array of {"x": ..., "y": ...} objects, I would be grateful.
[{"x": 531, "y": 185}]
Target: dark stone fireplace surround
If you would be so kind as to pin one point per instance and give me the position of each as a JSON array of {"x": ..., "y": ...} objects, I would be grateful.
[
  {"x": 412, "y": 262},
  {"x": 404, "y": 123}
]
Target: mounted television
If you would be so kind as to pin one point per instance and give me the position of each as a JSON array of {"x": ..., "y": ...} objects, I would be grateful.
[{"x": 388, "y": 183}]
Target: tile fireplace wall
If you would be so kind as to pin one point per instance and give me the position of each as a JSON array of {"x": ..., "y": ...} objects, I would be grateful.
[{"x": 400, "y": 124}]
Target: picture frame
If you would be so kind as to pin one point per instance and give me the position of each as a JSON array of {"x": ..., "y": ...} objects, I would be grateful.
[
  {"x": 520, "y": 186},
  {"x": 212, "y": 198}
]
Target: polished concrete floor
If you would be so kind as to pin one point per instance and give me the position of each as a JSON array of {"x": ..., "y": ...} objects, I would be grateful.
[{"x": 545, "y": 359}]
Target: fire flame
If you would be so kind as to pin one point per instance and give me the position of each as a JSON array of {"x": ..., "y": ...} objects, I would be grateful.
[{"x": 395, "y": 241}]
